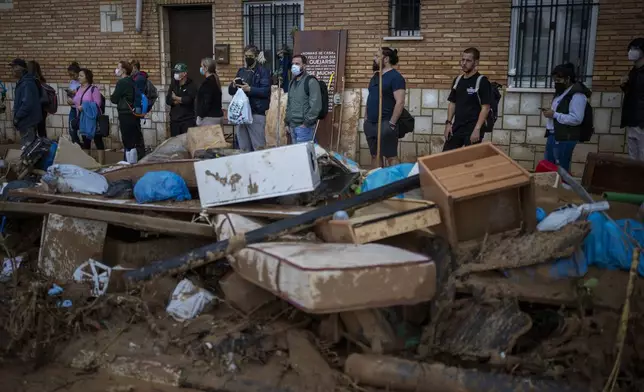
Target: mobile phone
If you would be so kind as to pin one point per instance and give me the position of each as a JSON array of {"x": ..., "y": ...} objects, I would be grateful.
[
  {"x": 239, "y": 81},
  {"x": 543, "y": 109}
]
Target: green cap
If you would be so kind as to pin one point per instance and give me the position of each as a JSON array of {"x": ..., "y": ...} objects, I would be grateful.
[{"x": 180, "y": 67}]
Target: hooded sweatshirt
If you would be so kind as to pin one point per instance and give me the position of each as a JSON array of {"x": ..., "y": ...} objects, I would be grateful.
[
  {"x": 27, "y": 108},
  {"x": 185, "y": 110}
]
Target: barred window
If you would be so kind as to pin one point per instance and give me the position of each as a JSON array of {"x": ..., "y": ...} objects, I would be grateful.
[
  {"x": 6, "y": 4},
  {"x": 546, "y": 33},
  {"x": 269, "y": 25},
  {"x": 404, "y": 18}
]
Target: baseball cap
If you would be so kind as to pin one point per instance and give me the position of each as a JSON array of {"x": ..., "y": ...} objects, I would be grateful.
[
  {"x": 18, "y": 61},
  {"x": 180, "y": 67}
]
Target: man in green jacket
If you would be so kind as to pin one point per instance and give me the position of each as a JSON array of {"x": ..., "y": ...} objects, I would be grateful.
[{"x": 304, "y": 102}]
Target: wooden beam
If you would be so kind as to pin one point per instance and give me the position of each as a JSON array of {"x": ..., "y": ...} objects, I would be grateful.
[
  {"x": 188, "y": 206},
  {"x": 133, "y": 221}
]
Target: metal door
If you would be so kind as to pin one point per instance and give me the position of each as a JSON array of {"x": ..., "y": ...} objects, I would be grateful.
[{"x": 190, "y": 37}]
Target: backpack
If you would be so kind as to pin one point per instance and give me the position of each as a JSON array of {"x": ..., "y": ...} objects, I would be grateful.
[
  {"x": 493, "y": 114},
  {"x": 151, "y": 94},
  {"x": 406, "y": 123},
  {"x": 51, "y": 101},
  {"x": 324, "y": 91},
  {"x": 588, "y": 124}
]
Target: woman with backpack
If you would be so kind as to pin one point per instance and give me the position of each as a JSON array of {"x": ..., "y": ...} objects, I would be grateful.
[
  {"x": 129, "y": 123},
  {"x": 34, "y": 68},
  {"x": 89, "y": 93},
  {"x": 208, "y": 105}
]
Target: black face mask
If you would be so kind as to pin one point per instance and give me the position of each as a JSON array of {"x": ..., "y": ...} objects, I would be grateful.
[
  {"x": 250, "y": 61},
  {"x": 560, "y": 88},
  {"x": 375, "y": 66}
]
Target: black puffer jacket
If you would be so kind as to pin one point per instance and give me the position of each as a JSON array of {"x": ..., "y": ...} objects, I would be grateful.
[{"x": 633, "y": 107}]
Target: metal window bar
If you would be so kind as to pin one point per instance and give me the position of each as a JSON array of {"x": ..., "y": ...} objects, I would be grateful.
[
  {"x": 404, "y": 18},
  {"x": 550, "y": 32},
  {"x": 269, "y": 26}
]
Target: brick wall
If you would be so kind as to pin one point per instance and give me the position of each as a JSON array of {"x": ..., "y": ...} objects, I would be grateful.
[
  {"x": 618, "y": 23},
  {"x": 447, "y": 27},
  {"x": 228, "y": 15},
  {"x": 56, "y": 33}
]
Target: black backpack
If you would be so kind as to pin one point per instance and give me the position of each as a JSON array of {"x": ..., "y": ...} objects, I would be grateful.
[
  {"x": 324, "y": 91},
  {"x": 588, "y": 124},
  {"x": 493, "y": 114}
]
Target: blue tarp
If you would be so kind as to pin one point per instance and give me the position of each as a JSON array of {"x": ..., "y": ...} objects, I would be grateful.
[
  {"x": 160, "y": 186},
  {"x": 385, "y": 176},
  {"x": 606, "y": 247}
]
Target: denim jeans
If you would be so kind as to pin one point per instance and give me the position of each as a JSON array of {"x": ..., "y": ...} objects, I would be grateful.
[
  {"x": 302, "y": 134},
  {"x": 559, "y": 153},
  {"x": 73, "y": 134}
]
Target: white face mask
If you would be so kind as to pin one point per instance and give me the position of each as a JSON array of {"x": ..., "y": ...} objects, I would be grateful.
[
  {"x": 117, "y": 72},
  {"x": 634, "y": 54},
  {"x": 296, "y": 69},
  {"x": 177, "y": 77}
]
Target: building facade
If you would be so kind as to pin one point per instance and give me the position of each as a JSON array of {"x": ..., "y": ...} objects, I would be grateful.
[{"x": 520, "y": 41}]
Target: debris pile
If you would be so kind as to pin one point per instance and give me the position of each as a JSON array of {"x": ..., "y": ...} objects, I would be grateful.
[{"x": 292, "y": 269}]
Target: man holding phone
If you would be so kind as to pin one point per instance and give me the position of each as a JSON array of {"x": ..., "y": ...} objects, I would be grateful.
[{"x": 255, "y": 81}]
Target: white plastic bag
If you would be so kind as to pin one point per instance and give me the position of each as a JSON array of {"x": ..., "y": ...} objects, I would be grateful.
[
  {"x": 72, "y": 178},
  {"x": 561, "y": 217},
  {"x": 188, "y": 301},
  {"x": 239, "y": 111},
  {"x": 132, "y": 156}
]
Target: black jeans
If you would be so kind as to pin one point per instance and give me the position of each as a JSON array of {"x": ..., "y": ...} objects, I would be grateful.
[
  {"x": 42, "y": 125},
  {"x": 131, "y": 134},
  {"x": 98, "y": 141},
  {"x": 180, "y": 127}
]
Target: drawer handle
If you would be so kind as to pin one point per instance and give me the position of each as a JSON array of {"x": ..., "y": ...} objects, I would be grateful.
[
  {"x": 469, "y": 164},
  {"x": 478, "y": 175}
]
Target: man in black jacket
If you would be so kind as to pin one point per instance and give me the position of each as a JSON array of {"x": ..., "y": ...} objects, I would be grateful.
[
  {"x": 633, "y": 106},
  {"x": 27, "y": 109},
  {"x": 181, "y": 99}
]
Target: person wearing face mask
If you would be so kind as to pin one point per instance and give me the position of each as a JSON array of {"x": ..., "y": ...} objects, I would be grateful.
[
  {"x": 73, "y": 70},
  {"x": 393, "y": 103},
  {"x": 303, "y": 104},
  {"x": 633, "y": 104},
  {"x": 181, "y": 99},
  {"x": 255, "y": 81},
  {"x": 208, "y": 105},
  {"x": 123, "y": 98},
  {"x": 565, "y": 119}
]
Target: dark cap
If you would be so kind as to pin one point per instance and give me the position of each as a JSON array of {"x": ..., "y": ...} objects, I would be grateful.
[
  {"x": 637, "y": 43},
  {"x": 20, "y": 62}
]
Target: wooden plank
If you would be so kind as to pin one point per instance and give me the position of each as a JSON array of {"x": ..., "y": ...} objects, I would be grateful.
[
  {"x": 183, "y": 167},
  {"x": 133, "y": 221},
  {"x": 69, "y": 242},
  {"x": 188, "y": 207}
]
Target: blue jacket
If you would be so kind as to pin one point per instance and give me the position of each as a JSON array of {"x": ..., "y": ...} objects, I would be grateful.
[
  {"x": 259, "y": 80},
  {"x": 88, "y": 119},
  {"x": 27, "y": 109}
]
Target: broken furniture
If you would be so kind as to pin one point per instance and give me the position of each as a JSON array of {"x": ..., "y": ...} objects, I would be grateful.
[
  {"x": 480, "y": 191},
  {"x": 257, "y": 175},
  {"x": 382, "y": 220},
  {"x": 327, "y": 278},
  {"x": 611, "y": 173}
]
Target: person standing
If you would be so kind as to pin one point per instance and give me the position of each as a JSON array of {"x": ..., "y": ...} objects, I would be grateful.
[
  {"x": 304, "y": 102},
  {"x": 130, "y": 126},
  {"x": 393, "y": 103},
  {"x": 181, "y": 99},
  {"x": 72, "y": 70},
  {"x": 469, "y": 104},
  {"x": 27, "y": 109},
  {"x": 208, "y": 106},
  {"x": 633, "y": 104},
  {"x": 140, "y": 81},
  {"x": 33, "y": 67},
  {"x": 565, "y": 118},
  {"x": 88, "y": 93},
  {"x": 255, "y": 80}
]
